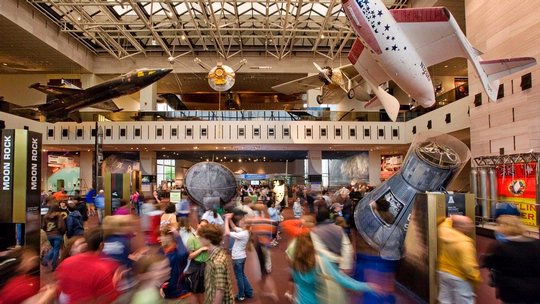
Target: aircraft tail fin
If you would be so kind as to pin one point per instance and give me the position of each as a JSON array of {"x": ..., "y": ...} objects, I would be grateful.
[
  {"x": 75, "y": 116},
  {"x": 496, "y": 69},
  {"x": 490, "y": 71},
  {"x": 389, "y": 102}
]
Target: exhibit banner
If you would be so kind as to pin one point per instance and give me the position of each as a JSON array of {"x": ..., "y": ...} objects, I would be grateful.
[
  {"x": 516, "y": 183},
  {"x": 63, "y": 171},
  {"x": 343, "y": 171},
  {"x": 120, "y": 162},
  {"x": 33, "y": 189},
  {"x": 390, "y": 164},
  {"x": 7, "y": 160}
]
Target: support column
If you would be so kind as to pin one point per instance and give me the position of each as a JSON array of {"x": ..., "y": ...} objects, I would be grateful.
[
  {"x": 374, "y": 168},
  {"x": 86, "y": 165},
  {"x": 312, "y": 96},
  {"x": 148, "y": 167},
  {"x": 148, "y": 98},
  {"x": 314, "y": 162}
]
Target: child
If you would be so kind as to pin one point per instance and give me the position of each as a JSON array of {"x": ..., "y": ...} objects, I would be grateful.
[
  {"x": 275, "y": 215},
  {"x": 241, "y": 239},
  {"x": 297, "y": 209}
]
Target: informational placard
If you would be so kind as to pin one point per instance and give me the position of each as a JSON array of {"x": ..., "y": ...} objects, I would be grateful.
[
  {"x": 175, "y": 196},
  {"x": 7, "y": 156}
]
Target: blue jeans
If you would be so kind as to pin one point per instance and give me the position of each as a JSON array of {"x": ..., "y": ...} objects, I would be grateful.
[
  {"x": 244, "y": 288},
  {"x": 54, "y": 253}
]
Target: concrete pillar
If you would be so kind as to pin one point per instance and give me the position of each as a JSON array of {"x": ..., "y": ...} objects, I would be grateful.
[
  {"x": 314, "y": 162},
  {"x": 312, "y": 95},
  {"x": 86, "y": 164},
  {"x": 148, "y": 162},
  {"x": 374, "y": 159},
  {"x": 148, "y": 98}
]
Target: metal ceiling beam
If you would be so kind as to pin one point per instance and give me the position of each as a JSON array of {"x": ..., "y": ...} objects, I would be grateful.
[
  {"x": 325, "y": 22},
  {"x": 75, "y": 22},
  {"x": 142, "y": 15},
  {"x": 173, "y": 16},
  {"x": 106, "y": 11}
]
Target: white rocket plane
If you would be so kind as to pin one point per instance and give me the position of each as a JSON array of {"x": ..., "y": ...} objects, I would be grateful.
[{"x": 401, "y": 44}]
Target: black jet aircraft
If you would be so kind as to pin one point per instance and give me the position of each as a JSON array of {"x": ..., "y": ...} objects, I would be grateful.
[{"x": 64, "y": 102}]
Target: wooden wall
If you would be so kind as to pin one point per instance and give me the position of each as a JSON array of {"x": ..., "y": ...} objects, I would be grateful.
[{"x": 503, "y": 29}]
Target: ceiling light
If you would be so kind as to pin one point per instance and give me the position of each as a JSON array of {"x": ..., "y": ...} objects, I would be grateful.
[
  {"x": 239, "y": 160},
  {"x": 4, "y": 64},
  {"x": 183, "y": 37},
  {"x": 153, "y": 42},
  {"x": 322, "y": 36},
  {"x": 445, "y": 66},
  {"x": 195, "y": 148}
]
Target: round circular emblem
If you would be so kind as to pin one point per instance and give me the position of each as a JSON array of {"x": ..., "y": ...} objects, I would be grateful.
[{"x": 517, "y": 187}]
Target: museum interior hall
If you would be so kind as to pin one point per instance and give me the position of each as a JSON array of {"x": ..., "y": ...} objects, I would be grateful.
[{"x": 412, "y": 125}]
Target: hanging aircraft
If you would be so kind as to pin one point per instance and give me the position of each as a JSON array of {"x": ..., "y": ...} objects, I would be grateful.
[
  {"x": 221, "y": 77},
  {"x": 335, "y": 84},
  {"x": 401, "y": 44},
  {"x": 64, "y": 102}
]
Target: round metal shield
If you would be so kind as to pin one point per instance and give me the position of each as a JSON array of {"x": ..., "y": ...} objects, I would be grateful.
[{"x": 210, "y": 184}]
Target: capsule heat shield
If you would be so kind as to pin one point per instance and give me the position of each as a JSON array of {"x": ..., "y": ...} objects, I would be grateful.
[{"x": 382, "y": 216}]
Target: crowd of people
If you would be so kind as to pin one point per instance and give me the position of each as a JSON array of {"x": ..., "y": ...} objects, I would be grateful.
[{"x": 153, "y": 251}]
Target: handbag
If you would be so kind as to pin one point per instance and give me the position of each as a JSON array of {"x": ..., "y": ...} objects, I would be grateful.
[{"x": 195, "y": 276}]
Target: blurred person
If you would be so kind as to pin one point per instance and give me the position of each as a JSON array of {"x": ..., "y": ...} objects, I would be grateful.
[
  {"x": 514, "y": 261},
  {"x": 217, "y": 278},
  {"x": 54, "y": 227},
  {"x": 331, "y": 239},
  {"x": 64, "y": 211},
  {"x": 240, "y": 235},
  {"x": 88, "y": 277},
  {"x": 198, "y": 255},
  {"x": 135, "y": 202},
  {"x": 326, "y": 196},
  {"x": 457, "y": 265},
  {"x": 168, "y": 219},
  {"x": 213, "y": 217},
  {"x": 99, "y": 203},
  {"x": 263, "y": 231},
  {"x": 309, "y": 199},
  {"x": 298, "y": 211},
  {"x": 342, "y": 197},
  {"x": 123, "y": 209},
  {"x": 156, "y": 197},
  {"x": 74, "y": 246},
  {"x": 60, "y": 195},
  {"x": 89, "y": 199},
  {"x": 150, "y": 271},
  {"x": 74, "y": 221},
  {"x": 184, "y": 206},
  {"x": 176, "y": 288},
  {"x": 316, "y": 278},
  {"x": 246, "y": 207},
  {"x": 185, "y": 230},
  {"x": 121, "y": 238},
  {"x": 20, "y": 270}
]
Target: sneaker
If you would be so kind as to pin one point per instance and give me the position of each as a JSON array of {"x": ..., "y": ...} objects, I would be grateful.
[{"x": 239, "y": 299}]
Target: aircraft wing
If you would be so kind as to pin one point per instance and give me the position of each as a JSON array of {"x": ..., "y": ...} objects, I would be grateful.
[
  {"x": 107, "y": 105},
  {"x": 434, "y": 32},
  {"x": 55, "y": 91},
  {"x": 364, "y": 63},
  {"x": 299, "y": 85}
]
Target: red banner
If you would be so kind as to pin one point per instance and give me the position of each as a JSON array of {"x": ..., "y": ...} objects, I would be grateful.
[{"x": 516, "y": 180}]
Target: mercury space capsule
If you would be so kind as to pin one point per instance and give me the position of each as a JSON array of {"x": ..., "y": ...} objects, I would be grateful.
[
  {"x": 382, "y": 216},
  {"x": 210, "y": 184}
]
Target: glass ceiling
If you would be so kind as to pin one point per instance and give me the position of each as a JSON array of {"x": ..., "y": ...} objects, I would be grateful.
[{"x": 123, "y": 28}]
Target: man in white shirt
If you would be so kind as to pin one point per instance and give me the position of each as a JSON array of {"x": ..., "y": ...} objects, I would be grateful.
[{"x": 240, "y": 235}]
